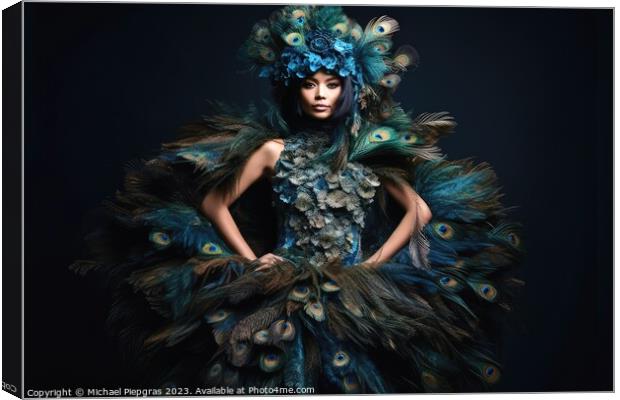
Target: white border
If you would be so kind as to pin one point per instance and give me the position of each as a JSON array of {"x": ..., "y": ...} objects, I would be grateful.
[{"x": 459, "y": 3}]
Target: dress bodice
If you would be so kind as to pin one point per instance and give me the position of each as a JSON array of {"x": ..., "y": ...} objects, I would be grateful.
[{"x": 320, "y": 213}]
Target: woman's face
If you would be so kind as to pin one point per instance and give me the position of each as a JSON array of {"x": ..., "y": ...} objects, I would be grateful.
[{"x": 319, "y": 95}]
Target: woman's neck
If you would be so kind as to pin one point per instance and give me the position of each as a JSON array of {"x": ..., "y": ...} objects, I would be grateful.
[{"x": 315, "y": 126}]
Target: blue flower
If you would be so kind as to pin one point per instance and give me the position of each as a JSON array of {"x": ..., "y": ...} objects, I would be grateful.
[
  {"x": 320, "y": 41},
  {"x": 348, "y": 68},
  {"x": 322, "y": 50},
  {"x": 329, "y": 62},
  {"x": 314, "y": 61},
  {"x": 342, "y": 46}
]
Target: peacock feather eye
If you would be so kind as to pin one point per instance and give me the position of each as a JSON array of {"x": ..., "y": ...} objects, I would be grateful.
[
  {"x": 410, "y": 138},
  {"x": 341, "y": 359},
  {"x": 217, "y": 316},
  {"x": 283, "y": 329},
  {"x": 449, "y": 283},
  {"x": 215, "y": 370},
  {"x": 330, "y": 286},
  {"x": 356, "y": 32},
  {"x": 382, "y": 134},
  {"x": 485, "y": 290},
  {"x": 429, "y": 380},
  {"x": 210, "y": 249},
  {"x": 390, "y": 81},
  {"x": 219, "y": 336},
  {"x": 240, "y": 352},
  {"x": 350, "y": 384},
  {"x": 262, "y": 35},
  {"x": 403, "y": 59},
  {"x": 385, "y": 109},
  {"x": 340, "y": 29},
  {"x": 513, "y": 239},
  {"x": 352, "y": 308},
  {"x": 299, "y": 17},
  {"x": 160, "y": 239},
  {"x": 315, "y": 310},
  {"x": 294, "y": 39},
  {"x": 267, "y": 54},
  {"x": 384, "y": 26},
  {"x": 382, "y": 48},
  {"x": 444, "y": 230},
  {"x": 270, "y": 361},
  {"x": 406, "y": 56},
  {"x": 261, "y": 337},
  {"x": 299, "y": 293},
  {"x": 489, "y": 372}
]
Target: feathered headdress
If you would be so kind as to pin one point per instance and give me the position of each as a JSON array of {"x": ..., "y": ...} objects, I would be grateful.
[{"x": 297, "y": 41}]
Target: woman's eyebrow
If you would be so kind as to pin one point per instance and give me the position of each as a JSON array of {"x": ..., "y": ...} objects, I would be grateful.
[{"x": 332, "y": 79}]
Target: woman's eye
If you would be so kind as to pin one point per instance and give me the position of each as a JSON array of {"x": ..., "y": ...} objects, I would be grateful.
[
  {"x": 333, "y": 85},
  {"x": 307, "y": 85}
]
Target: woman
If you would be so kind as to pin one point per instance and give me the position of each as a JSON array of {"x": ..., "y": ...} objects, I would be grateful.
[
  {"x": 358, "y": 291},
  {"x": 320, "y": 98}
]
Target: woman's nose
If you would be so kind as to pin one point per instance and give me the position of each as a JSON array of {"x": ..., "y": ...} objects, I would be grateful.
[{"x": 319, "y": 94}]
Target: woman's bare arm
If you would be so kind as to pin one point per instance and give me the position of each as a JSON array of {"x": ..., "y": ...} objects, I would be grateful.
[
  {"x": 417, "y": 214},
  {"x": 216, "y": 202}
]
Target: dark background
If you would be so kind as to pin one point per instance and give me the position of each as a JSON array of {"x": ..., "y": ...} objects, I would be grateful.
[{"x": 531, "y": 90}]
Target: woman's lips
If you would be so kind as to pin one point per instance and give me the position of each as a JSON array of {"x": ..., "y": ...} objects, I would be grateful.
[{"x": 320, "y": 107}]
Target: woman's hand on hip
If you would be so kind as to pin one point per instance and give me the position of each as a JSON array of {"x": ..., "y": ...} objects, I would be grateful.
[{"x": 268, "y": 260}]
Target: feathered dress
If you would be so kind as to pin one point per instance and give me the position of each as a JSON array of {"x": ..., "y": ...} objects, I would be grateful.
[{"x": 185, "y": 303}]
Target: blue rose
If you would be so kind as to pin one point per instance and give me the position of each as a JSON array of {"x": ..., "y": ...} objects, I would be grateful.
[
  {"x": 320, "y": 41},
  {"x": 329, "y": 62},
  {"x": 314, "y": 61}
]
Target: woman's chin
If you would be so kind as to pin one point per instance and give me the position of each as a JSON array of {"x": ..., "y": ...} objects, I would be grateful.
[{"x": 320, "y": 115}]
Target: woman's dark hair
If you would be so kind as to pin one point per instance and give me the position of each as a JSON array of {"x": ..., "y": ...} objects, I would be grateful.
[{"x": 288, "y": 100}]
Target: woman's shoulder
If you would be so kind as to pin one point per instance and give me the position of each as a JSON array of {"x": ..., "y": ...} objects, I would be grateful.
[
  {"x": 270, "y": 152},
  {"x": 273, "y": 147}
]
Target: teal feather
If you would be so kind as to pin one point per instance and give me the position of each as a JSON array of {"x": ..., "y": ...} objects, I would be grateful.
[
  {"x": 390, "y": 81},
  {"x": 380, "y": 46},
  {"x": 400, "y": 147},
  {"x": 381, "y": 27},
  {"x": 325, "y": 18},
  {"x": 451, "y": 236},
  {"x": 187, "y": 228},
  {"x": 261, "y": 32},
  {"x": 294, "y": 374},
  {"x": 431, "y": 126},
  {"x": 369, "y": 375},
  {"x": 459, "y": 190},
  {"x": 507, "y": 234},
  {"x": 374, "y": 66},
  {"x": 356, "y": 31},
  {"x": 406, "y": 58},
  {"x": 292, "y": 18},
  {"x": 167, "y": 287}
]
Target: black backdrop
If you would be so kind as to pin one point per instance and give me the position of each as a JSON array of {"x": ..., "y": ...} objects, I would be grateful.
[{"x": 531, "y": 90}]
